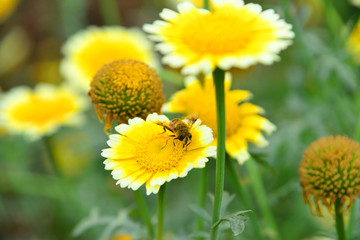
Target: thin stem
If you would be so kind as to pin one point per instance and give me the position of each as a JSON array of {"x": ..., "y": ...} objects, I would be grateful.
[
  {"x": 144, "y": 211},
  {"x": 206, "y": 4},
  {"x": 160, "y": 212},
  {"x": 110, "y": 12},
  {"x": 243, "y": 195},
  {"x": 201, "y": 198},
  {"x": 260, "y": 195},
  {"x": 340, "y": 229},
  {"x": 219, "y": 80}
]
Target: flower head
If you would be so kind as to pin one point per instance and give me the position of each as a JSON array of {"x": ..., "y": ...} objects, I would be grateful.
[
  {"x": 353, "y": 42},
  {"x": 243, "y": 123},
  {"x": 232, "y": 35},
  {"x": 87, "y": 51},
  {"x": 143, "y": 152},
  {"x": 41, "y": 111},
  {"x": 330, "y": 170},
  {"x": 126, "y": 89}
]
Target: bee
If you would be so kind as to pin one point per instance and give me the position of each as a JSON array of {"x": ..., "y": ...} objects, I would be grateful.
[{"x": 180, "y": 128}]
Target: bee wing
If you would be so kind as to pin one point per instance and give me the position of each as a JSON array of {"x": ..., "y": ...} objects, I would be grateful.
[
  {"x": 163, "y": 124},
  {"x": 191, "y": 119}
]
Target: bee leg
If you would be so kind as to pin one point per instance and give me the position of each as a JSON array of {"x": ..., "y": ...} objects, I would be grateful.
[{"x": 165, "y": 144}]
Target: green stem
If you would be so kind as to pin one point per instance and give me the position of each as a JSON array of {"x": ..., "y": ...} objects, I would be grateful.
[
  {"x": 206, "y": 4},
  {"x": 160, "y": 212},
  {"x": 201, "y": 198},
  {"x": 340, "y": 229},
  {"x": 260, "y": 195},
  {"x": 110, "y": 12},
  {"x": 144, "y": 211},
  {"x": 243, "y": 195},
  {"x": 219, "y": 80}
]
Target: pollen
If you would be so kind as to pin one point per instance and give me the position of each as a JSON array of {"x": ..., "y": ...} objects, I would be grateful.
[
  {"x": 160, "y": 153},
  {"x": 126, "y": 89},
  {"x": 330, "y": 170},
  {"x": 213, "y": 30}
]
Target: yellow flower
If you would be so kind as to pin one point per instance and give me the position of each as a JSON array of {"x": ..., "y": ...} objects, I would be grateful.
[
  {"x": 126, "y": 89},
  {"x": 353, "y": 42},
  {"x": 39, "y": 112},
  {"x": 121, "y": 237},
  {"x": 6, "y": 8},
  {"x": 87, "y": 51},
  {"x": 330, "y": 170},
  {"x": 144, "y": 152},
  {"x": 232, "y": 35},
  {"x": 243, "y": 123},
  {"x": 356, "y": 3}
]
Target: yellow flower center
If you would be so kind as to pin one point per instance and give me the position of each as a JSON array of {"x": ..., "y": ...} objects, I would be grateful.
[
  {"x": 39, "y": 110},
  {"x": 95, "y": 55},
  {"x": 213, "y": 33},
  {"x": 160, "y": 153}
]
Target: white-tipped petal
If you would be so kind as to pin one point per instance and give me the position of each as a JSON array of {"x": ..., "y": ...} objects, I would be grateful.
[
  {"x": 168, "y": 14},
  {"x": 174, "y": 61},
  {"x": 268, "y": 127},
  {"x": 184, "y": 7},
  {"x": 186, "y": 170},
  {"x": 122, "y": 128}
]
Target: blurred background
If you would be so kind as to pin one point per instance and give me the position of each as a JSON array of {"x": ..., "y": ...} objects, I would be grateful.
[{"x": 312, "y": 92}]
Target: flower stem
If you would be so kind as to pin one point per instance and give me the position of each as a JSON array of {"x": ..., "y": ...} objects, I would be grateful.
[
  {"x": 160, "y": 212},
  {"x": 243, "y": 195},
  {"x": 219, "y": 80},
  {"x": 201, "y": 198},
  {"x": 144, "y": 211},
  {"x": 340, "y": 229},
  {"x": 260, "y": 195},
  {"x": 206, "y": 4}
]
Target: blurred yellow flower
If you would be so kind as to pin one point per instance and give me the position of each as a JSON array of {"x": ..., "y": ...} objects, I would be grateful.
[
  {"x": 233, "y": 35},
  {"x": 6, "y": 8},
  {"x": 126, "y": 89},
  {"x": 353, "y": 42},
  {"x": 243, "y": 123},
  {"x": 121, "y": 237},
  {"x": 41, "y": 111},
  {"x": 356, "y": 3},
  {"x": 143, "y": 152},
  {"x": 330, "y": 170},
  {"x": 87, "y": 51}
]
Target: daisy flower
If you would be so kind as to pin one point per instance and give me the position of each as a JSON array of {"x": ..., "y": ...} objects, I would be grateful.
[
  {"x": 87, "y": 51},
  {"x": 232, "y": 35},
  {"x": 243, "y": 123},
  {"x": 143, "y": 152},
  {"x": 40, "y": 111}
]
